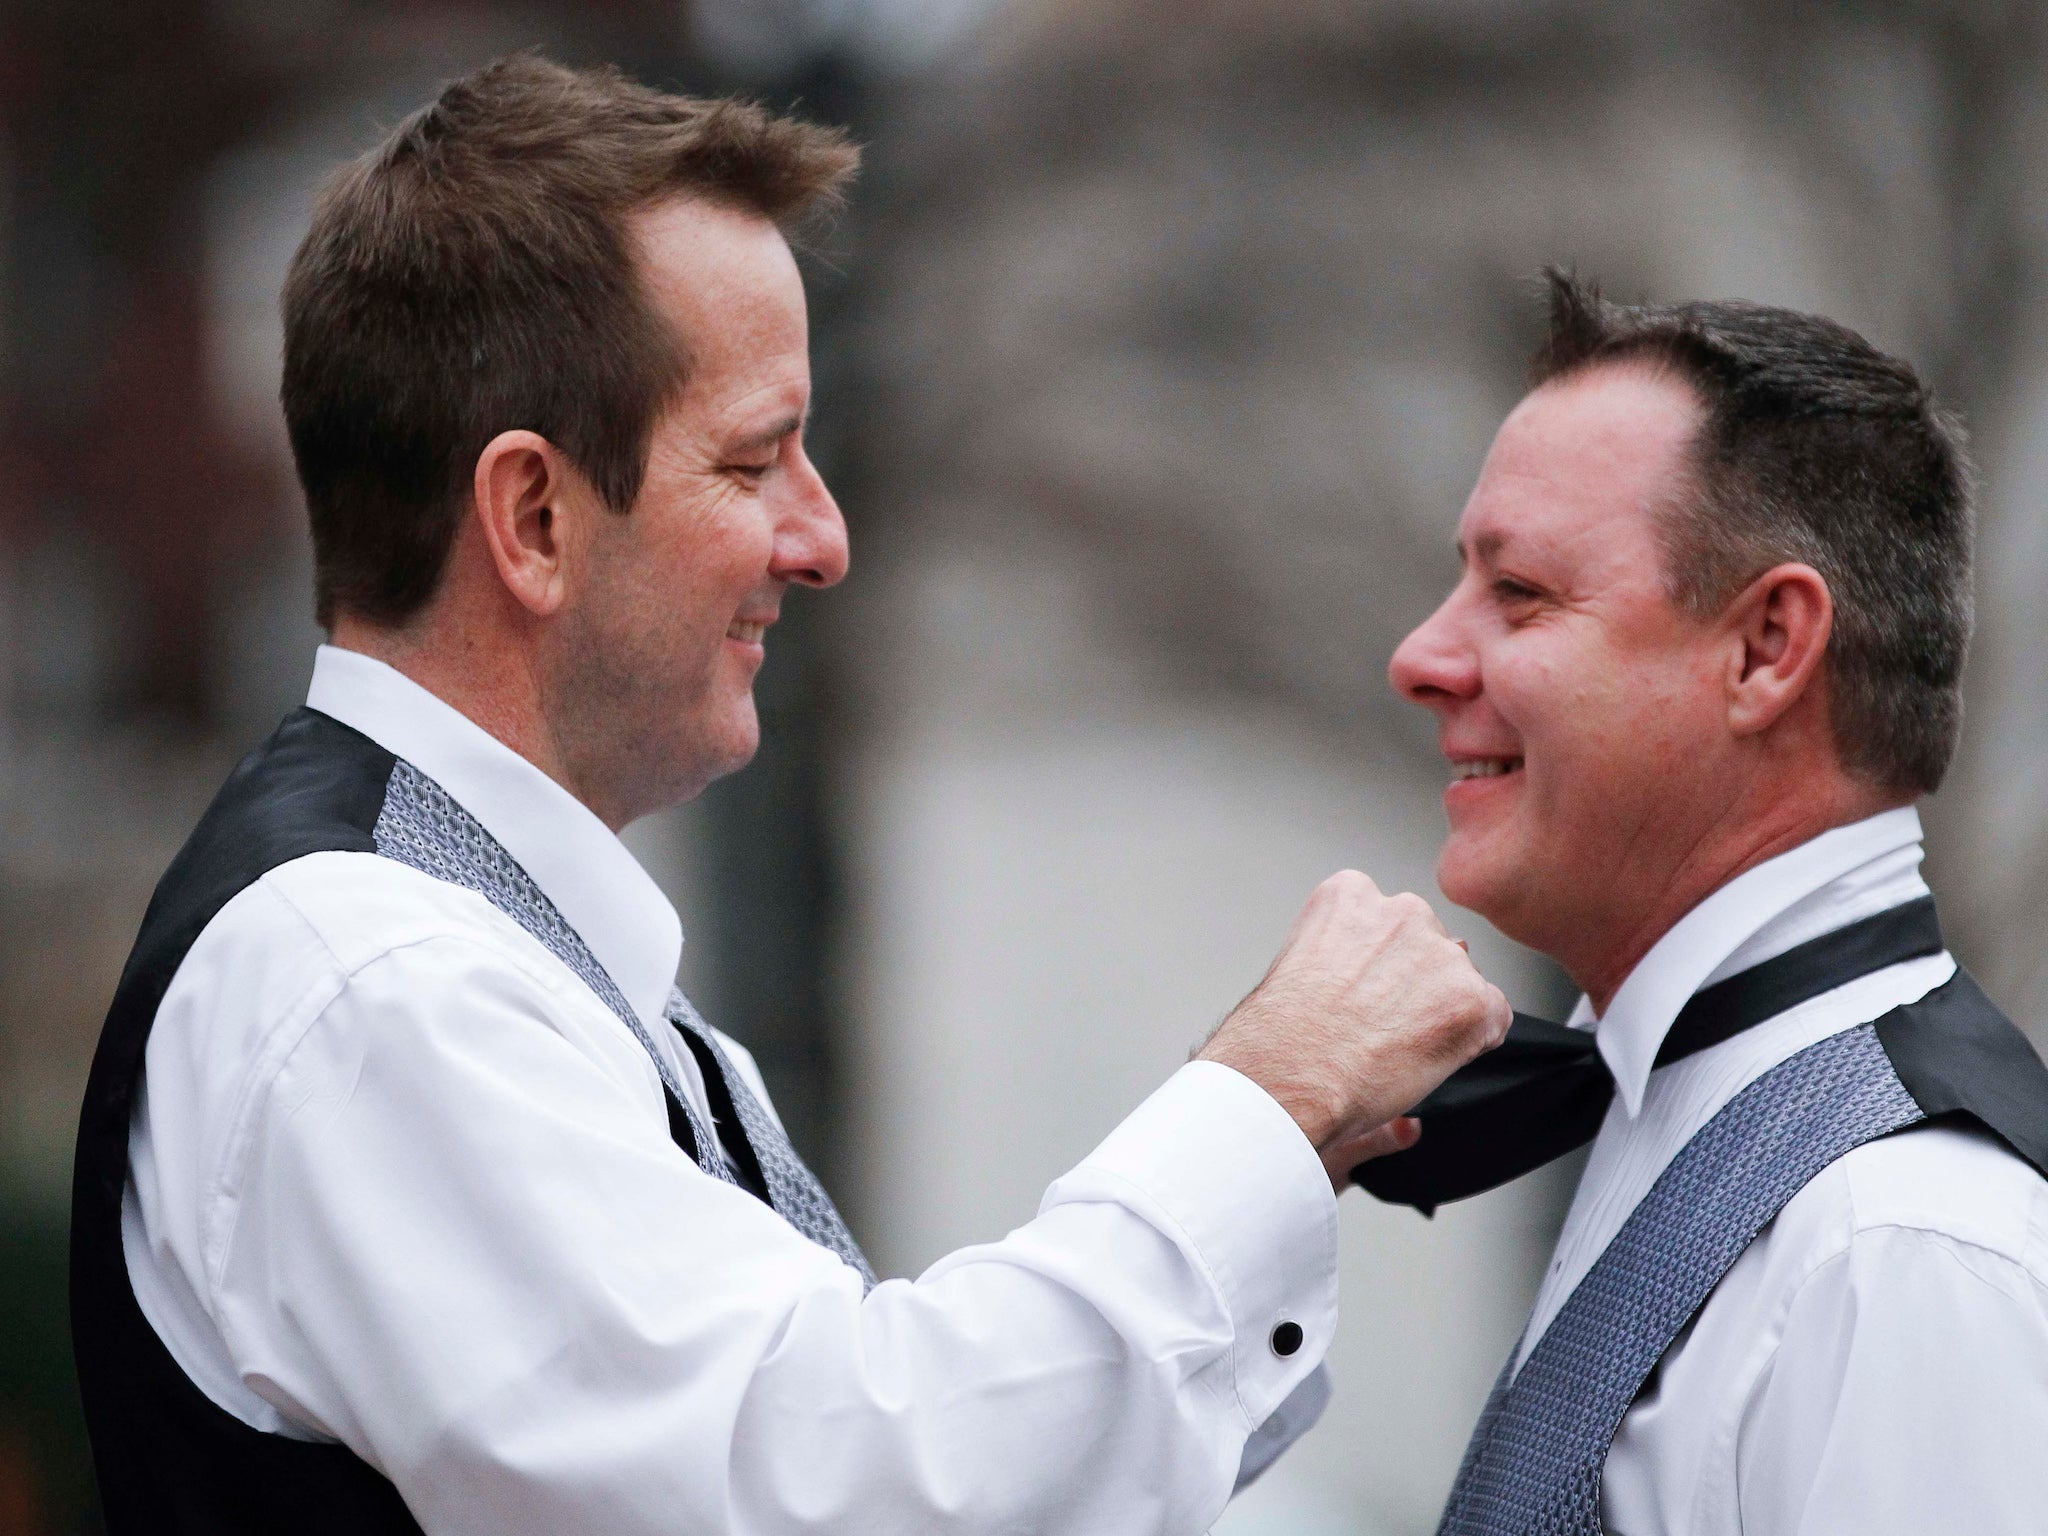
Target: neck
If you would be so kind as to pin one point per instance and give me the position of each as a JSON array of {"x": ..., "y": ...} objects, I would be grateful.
[
  {"x": 498, "y": 687},
  {"x": 1731, "y": 848}
]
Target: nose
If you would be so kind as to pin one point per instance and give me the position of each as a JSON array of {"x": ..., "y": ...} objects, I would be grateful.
[
  {"x": 1437, "y": 665},
  {"x": 810, "y": 535}
]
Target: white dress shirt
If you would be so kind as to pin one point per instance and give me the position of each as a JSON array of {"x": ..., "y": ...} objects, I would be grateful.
[
  {"x": 1877, "y": 1359},
  {"x": 399, "y": 1179}
]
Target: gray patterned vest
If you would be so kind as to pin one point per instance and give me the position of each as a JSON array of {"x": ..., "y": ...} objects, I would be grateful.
[{"x": 1534, "y": 1464}]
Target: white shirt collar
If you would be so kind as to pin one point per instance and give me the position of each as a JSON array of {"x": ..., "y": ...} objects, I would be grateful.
[
  {"x": 1844, "y": 874},
  {"x": 583, "y": 868}
]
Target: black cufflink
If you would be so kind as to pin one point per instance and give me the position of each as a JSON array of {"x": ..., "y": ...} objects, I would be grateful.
[{"x": 1286, "y": 1339}]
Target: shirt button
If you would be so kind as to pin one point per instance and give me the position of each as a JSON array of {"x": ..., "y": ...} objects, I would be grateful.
[{"x": 1286, "y": 1339}]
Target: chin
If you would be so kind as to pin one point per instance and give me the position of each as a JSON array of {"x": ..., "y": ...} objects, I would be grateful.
[
  {"x": 1512, "y": 890},
  {"x": 1478, "y": 879},
  {"x": 736, "y": 739},
  {"x": 694, "y": 751}
]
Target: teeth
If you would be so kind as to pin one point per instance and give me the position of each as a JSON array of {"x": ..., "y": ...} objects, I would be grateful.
[
  {"x": 1485, "y": 768},
  {"x": 748, "y": 634}
]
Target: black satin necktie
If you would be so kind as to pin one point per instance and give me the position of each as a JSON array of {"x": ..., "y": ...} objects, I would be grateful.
[{"x": 1547, "y": 1088}]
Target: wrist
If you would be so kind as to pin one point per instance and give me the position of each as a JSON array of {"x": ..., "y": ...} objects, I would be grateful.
[
  {"x": 1312, "y": 1111},
  {"x": 1308, "y": 1104}
]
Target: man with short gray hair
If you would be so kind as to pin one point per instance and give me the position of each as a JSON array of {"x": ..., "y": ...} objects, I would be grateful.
[{"x": 1705, "y": 654}]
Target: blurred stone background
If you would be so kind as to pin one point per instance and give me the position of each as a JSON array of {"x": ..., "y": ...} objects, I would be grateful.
[{"x": 1154, "y": 360}]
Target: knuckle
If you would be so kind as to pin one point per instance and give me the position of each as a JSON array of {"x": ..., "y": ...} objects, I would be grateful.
[
  {"x": 1480, "y": 998},
  {"x": 1499, "y": 1015},
  {"x": 1348, "y": 883}
]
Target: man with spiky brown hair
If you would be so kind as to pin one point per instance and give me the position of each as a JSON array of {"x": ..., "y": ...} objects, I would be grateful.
[{"x": 411, "y": 1194}]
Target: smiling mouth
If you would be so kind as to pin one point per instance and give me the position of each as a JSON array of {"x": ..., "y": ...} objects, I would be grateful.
[
  {"x": 1484, "y": 768},
  {"x": 747, "y": 633}
]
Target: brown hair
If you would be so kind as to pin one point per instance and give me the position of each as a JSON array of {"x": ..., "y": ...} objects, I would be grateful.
[
  {"x": 1815, "y": 447},
  {"x": 472, "y": 274}
]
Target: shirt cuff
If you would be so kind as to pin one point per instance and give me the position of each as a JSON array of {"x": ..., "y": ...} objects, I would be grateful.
[{"x": 1215, "y": 1162}]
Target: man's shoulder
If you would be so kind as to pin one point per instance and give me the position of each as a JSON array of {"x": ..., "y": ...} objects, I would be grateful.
[
  {"x": 1951, "y": 1181},
  {"x": 355, "y": 946},
  {"x": 1954, "y": 1179},
  {"x": 334, "y": 914},
  {"x": 1941, "y": 1222},
  {"x": 364, "y": 905}
]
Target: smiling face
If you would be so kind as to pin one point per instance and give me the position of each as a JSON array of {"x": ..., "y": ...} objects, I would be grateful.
[
  {"x": 1582, "y": 712},
  {"x": 652, "y": 670}
]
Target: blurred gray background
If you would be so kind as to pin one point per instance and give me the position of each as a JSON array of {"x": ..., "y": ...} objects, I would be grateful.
[{"x": 1155, "y": 359}]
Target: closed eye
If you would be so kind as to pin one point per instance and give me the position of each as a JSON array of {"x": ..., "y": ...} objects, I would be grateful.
[{"x": 752, "y": 456}]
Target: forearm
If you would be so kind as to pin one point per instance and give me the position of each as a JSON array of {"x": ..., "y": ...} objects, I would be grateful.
[{"x": 1101, "y": 1367}]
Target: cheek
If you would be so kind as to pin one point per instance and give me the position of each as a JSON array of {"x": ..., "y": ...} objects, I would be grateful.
[
  {"x": 1571, "y": 696},
  {"x": 727, "y": 565},
  {"x": 1549, "y": 693},
  {"x": 1596, "y": 735},
  {"x": 688, "y": 584},
  {"x": 1618, "y": 742}
]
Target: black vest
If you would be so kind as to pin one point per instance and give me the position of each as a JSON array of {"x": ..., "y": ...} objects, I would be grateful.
[{"x": 168, "y": 1459}]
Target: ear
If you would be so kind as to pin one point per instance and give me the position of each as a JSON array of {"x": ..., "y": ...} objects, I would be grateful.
[
  {"x": 1778, "y": 627},
  {"x": 522, "y": 487}
]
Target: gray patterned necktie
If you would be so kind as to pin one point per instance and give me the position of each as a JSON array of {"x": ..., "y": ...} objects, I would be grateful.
[
  {"x": 421, "y": 825},
  {"x": 1534, "y": 1464}
]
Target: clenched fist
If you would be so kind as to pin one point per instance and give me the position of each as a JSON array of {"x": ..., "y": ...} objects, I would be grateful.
[{"x": 1369, "y": 1006}]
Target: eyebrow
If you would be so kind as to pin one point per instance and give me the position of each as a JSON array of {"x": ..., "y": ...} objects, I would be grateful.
[
  {"x": 794, "y": 422},
  {"x": 1486, "y": 547}
]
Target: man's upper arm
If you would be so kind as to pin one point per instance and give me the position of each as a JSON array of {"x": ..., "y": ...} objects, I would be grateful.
[
  {"x": 328, "y": 968},
  {"x": 1909, "y": 1387},
  {"x": 440, "y": 1185}
]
